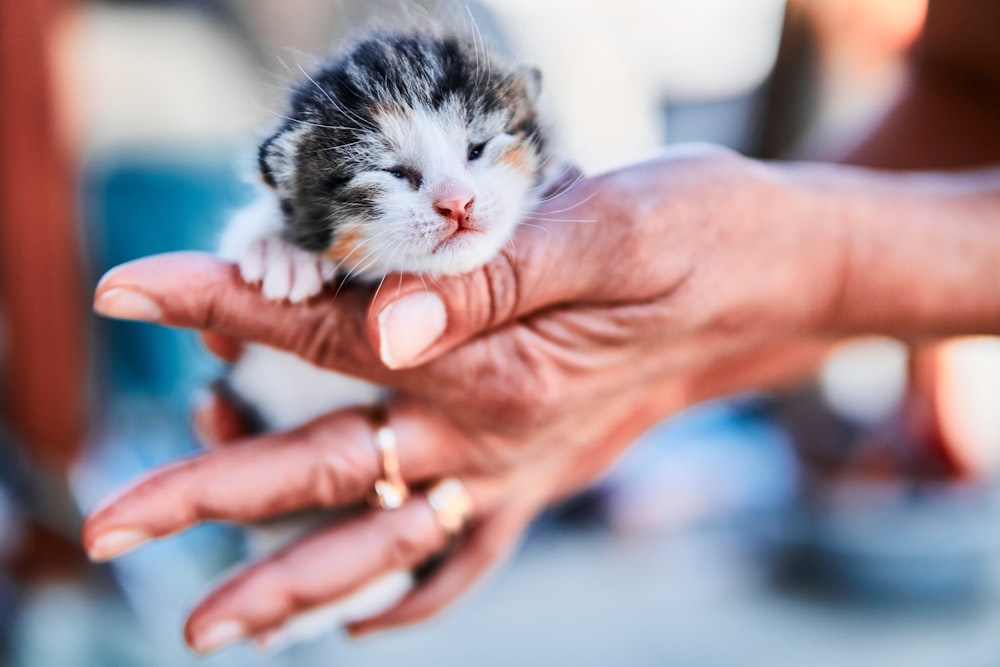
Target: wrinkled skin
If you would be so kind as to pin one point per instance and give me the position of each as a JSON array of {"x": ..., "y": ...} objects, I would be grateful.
[
  {"x": 576, "y": 362},
  {"x": 634, "y": 294}
]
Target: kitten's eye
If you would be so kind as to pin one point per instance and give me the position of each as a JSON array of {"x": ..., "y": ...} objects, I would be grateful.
[
  {"x": 335, "y": 181},
  {"x": 476, "y": 151},
  {"x": 406, "y": 174}
]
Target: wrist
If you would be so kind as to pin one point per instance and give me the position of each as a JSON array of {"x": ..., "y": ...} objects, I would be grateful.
[
  {"x": 735, "y": 235},
  {"x": 910, "y": 254}
]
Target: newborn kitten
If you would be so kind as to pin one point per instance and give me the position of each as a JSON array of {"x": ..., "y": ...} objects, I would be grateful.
[{"x": 408, "y": 152}]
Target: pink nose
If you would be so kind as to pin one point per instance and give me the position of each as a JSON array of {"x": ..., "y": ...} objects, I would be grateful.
[{"x": 455, "y": 208}]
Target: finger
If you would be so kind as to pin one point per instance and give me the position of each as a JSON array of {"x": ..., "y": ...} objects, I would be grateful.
[
  {"x": 227, "y": 348},
  {"x": 196, "y": 290},
  {"x": 217, "y": 422},
  {"x": 481, "y": 551},
  {"x": 323, "y": 569},
  {"x": 329, "y": 462},
  {"x": 551, "y": 259}
]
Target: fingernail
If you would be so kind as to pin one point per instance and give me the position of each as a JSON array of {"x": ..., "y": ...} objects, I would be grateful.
[
  {"x": 125, "y": 304},
  {"x": 221, "y": 634},
  {"x": 409, "y": 326},
  {"x": 116, "y": 543}
]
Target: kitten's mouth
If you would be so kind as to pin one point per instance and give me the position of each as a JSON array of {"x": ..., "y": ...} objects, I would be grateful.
[{"x": 457, "y": 239}]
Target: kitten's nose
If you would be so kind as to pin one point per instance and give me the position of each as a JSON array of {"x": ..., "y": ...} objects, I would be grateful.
[{"x": 455, "y": 206}]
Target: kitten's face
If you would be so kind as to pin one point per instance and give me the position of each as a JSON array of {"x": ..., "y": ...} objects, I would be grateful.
[{"x": 411, "y": 154}]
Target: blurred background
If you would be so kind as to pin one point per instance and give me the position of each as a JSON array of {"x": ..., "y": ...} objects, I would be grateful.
[{"x": 850, "y": 520}]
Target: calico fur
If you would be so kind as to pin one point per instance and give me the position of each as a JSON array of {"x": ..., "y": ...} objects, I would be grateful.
[{"x": 350, "y": 119}]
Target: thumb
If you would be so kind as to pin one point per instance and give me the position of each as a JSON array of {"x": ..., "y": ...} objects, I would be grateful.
[{"x": 551, "y": 261}]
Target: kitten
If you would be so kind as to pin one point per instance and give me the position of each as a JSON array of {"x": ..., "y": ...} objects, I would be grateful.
[{"x": 408, "y": 152}]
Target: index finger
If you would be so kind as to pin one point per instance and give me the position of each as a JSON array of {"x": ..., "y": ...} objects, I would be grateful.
[{"x": 198, "y": 291}]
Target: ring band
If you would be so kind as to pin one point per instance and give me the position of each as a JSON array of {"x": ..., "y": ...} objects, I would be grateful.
[
  {"x": 451, "y": 503},
  {"x": 391, "y": 490}
]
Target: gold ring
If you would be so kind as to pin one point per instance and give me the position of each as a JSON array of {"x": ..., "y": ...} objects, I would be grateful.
[
  {"x": 451, "y": 503},
  {"x": 391, "y": 490}
]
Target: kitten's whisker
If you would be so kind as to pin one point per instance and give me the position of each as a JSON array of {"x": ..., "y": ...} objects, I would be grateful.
[
  {"x": 362, "y": 269},
  {"x": 547, "y": 231},
  {"x": 310, "y": 123},
  {"x": 318, "y": 87},
  {"x": 575, "y": 205},
  {"x": 332, "y": 101},
  {"x": 332, "y": 148},
  {"x": 477, "y": 42},
  {"x": 475, "y": 46},
  {"x": 513, "y": 250},
  {"x": 347, "y": 256},
  {"x": 283, "y": 63},
  {"x": 532, "y": 217},
  {"x": 380, "y": 283},
  {"x": 357, "y": 267},
  {"x": 561, "y": 192}
]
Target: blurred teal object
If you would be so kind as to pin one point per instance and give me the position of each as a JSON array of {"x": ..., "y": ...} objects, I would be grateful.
[{"x": 143, "y": 204}]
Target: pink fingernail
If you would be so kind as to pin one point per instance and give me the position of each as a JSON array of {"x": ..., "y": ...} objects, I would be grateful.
[
  {"x": 125, "y": 304},
  {"x": 116, "y": 543},
  {"x": 218, "y": 635},
  {"x": 409, "y": 326}
]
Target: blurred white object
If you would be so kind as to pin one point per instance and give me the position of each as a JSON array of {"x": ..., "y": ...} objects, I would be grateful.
[
  {"x": 969, "y": 400},
  {"x": 608, "y": 67},
  {"x": 161, "y": 78},
  {"x": 864, "y": 380}
]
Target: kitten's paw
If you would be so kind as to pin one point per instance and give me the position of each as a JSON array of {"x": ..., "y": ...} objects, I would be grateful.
[{"x": 283, "y": 270}]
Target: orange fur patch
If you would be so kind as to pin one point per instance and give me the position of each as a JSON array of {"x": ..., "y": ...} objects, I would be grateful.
[
  {"x": 515, "y": 157},
  {"x": 343, "y": 246}
]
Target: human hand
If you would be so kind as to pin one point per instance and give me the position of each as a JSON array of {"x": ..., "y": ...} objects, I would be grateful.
[{"x": 553, "y": 368}]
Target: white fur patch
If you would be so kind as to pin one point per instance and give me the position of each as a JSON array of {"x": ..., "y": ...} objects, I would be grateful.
[
  {"x": 253, "y": 240},
  {"x": 409, "y": 234},
  {"x": 288, "y": 391}
]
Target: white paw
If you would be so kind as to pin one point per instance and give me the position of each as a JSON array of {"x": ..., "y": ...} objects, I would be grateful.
[
  {"x": 283, "y": 270},
  {"x": 253, "y": 241}
]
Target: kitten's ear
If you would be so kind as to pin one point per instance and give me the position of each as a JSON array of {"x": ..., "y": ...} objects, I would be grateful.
[
  {"x": 532, "y": 78},
  {"x": 264, "y": 160},
  {"x": 276, "y": 155}
]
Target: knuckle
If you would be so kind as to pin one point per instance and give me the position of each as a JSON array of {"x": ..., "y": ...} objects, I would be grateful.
[
  {"x": 338, "y": 473},
  {"x": 276, "y": 582},
  {"x": 327, "y": 479},
  {"x": 210, "y": 316},
  {"x": 501, "y": 286},
  {"x": 318, "y": 340}
]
